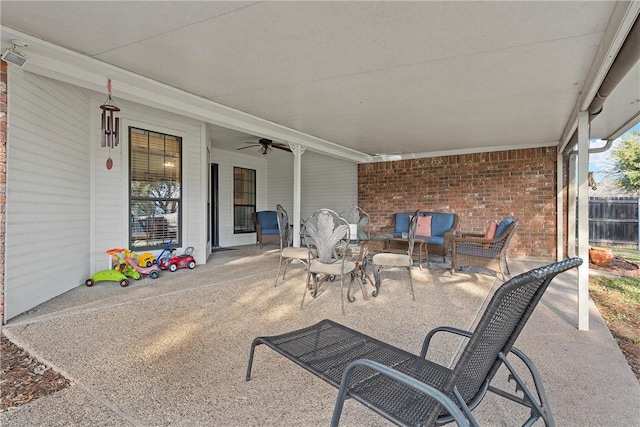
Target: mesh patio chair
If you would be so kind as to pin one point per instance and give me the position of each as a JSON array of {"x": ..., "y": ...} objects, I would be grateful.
[
  {"x": 386, "y": 379},
  {"x": 288, "y": 253},
  {"x": 474, "y": 250},
  {"x": 327, "y": 237},
  {"x": 396, "y": 260}
]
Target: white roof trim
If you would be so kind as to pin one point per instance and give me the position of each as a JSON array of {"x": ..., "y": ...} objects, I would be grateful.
[{"x": 53, "y": 61}]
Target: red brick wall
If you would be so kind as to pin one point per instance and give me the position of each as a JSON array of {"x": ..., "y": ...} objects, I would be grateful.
[
  {"x": 478, "y": 187},
  {"x": 3, "y": 174}
]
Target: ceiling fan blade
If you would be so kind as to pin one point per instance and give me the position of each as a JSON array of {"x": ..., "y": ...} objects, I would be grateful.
[
  {"x": 282, "y": 147},
  {"x": 250, "y": 146}
]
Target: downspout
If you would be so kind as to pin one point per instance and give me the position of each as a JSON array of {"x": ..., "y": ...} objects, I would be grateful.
[{"x": 627, "y": 57}]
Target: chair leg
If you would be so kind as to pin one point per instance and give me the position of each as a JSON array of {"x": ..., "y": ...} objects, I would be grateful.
[
  {"x": 342, "y": 291},
  {"x": 377, "y": 279},
  {"x": 413, "y": 295},
  {"x": 278, "y": 275},
  {"x": 306, "y": 286}
]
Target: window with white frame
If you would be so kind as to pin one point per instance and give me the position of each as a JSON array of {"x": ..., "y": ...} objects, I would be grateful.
[
  {"x": 155, "y": 189},
  {"x": 244, "y": 199}
]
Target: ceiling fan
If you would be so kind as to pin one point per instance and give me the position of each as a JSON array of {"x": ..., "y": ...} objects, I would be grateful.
[{"x": 266, "y": 145}]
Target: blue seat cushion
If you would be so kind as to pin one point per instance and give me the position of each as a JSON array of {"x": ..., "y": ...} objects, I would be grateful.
[
  {"x": 268, "y": 221},
  {"x": 434, "y": 240},
  {"x": 502, "y": 227}
]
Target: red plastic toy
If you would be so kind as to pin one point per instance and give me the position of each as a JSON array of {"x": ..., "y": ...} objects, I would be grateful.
[{"x": 173, "y": 262}]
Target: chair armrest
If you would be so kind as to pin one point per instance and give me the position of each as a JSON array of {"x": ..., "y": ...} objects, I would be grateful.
[
  {"x": 459, "y": 236},
  {"x": 254, "y": 219},
  {"x": 450, "y": 329},
  {"x": 448, "y": 238},
  {"x": 462, "y": 418}
]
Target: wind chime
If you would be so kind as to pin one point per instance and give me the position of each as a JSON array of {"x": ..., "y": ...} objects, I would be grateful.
[{"x": 109, "y": 134}]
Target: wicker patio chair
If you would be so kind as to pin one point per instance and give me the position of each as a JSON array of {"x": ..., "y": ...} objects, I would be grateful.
[
  {"x": 387, "y": 379},
  {"x": 474, "y": 250},
  {"x": 288, "y": 253},
  {"x": 327, "y": 237},
  {"x": 396, "y": 260}
]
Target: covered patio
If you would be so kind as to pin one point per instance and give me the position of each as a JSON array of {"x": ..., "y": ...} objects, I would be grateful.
[
  {"x": 483, "y": 91},
  {"x": 173, "y": 351}
]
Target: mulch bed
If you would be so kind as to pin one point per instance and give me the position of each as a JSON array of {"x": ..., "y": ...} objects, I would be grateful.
[
  {"x": 23, "y": 378},
  {"x": 619, "y": 266}
]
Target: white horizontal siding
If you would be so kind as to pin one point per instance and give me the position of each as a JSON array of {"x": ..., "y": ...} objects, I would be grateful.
[
  {"x": 64, "y": 208},
  {"x": 327, "y": 183},
  {"x": 111, "y": 205},
  {"x": 281, "y": 181},
  {"x": 48, "y": 190}
]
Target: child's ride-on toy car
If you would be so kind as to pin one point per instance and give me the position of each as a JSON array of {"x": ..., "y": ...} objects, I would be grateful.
[
  {"x": 118, "y": 273},
  {"x": 153, "y": 271},
  {"x": 108, "y": 276},
  {"x": 174, "y": 262}
]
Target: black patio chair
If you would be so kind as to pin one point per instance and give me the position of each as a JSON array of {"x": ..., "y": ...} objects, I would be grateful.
[{"x": 388, "y": 380}]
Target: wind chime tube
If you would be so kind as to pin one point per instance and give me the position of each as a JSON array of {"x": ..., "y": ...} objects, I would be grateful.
[
  {"x": 116, "y": 132},
  {"x": 108, "y": 130},
  {"x": 103, "y": 139}
]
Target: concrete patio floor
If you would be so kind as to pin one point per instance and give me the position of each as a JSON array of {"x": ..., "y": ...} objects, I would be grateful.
[{"x": 173, "y": 351}]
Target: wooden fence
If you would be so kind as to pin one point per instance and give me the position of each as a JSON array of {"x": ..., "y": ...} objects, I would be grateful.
[{"x": 614, "y": 221}]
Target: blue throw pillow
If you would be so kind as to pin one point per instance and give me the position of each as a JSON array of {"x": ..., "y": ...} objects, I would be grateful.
[{"x": 502, "y": 227}]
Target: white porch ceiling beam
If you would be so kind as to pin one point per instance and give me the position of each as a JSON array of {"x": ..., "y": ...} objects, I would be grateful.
[{"x": 55, "y": 62}]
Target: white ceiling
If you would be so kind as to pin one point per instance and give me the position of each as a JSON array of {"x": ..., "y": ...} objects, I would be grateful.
[{"x": 410, "y": 78}]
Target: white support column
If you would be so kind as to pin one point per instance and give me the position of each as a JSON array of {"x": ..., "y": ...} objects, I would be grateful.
[
  {"x": 298, "y": 151},
  {"x": 583, "y": 220},
  {"x": 559, "y": 206},
  {"x": 572, "y": 196}
]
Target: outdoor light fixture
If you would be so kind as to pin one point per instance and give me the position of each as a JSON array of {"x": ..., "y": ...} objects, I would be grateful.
[
  {"x": 12, "y": 56},
  {"x": 109, "y": 134}
]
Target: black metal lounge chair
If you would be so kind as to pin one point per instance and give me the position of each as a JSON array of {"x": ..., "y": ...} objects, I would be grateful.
[{"x": 387, "y": 379}]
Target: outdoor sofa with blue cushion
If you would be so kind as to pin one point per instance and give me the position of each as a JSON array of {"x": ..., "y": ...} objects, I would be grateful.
[
  {"x": 443, "y": 226},
  {"x": 266, "y": 224}
]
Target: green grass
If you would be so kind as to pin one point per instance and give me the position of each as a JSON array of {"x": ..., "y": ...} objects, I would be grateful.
[{"x": 628, "y": 287}]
